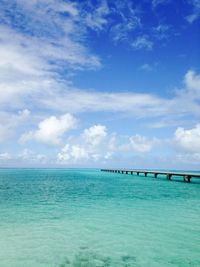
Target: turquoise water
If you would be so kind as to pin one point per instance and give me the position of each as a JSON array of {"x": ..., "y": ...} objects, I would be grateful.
[{"x": 88, "y": 218}]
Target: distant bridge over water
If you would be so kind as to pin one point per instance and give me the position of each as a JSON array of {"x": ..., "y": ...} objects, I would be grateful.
[{"x": 185, "y": 175}]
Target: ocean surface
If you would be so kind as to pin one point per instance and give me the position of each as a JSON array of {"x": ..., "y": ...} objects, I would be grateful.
[{"x": 88, "y": 218}]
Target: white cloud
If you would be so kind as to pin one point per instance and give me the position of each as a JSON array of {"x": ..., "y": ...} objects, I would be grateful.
[
  {"x": 94, "y": 135},
  {"x": 5, "y": 156},
  {"x": 129, "y": 19},
  {"x": 5, "y": 133},
  {"x": 162, "y": 31},
  {"x": 139, "y": 144},
  {"x": 9, "y": 122},
  {"x": 28, "y": 70},
  {"x": 142, "y": 42},
  {"x": 33, "y": 54},
  {"x": 64, "y": 155},
  {"x": 156, "y": 3},
  {"x": 59, "y": 97},
  {"x": 90, "y": 101},
  {"x": 28, "y": 155},
  {"x": 188, "y": 158},
  {"x": 78, "y": 152},
  {"x": 188, "y": 140},
  {"x": 192, "y": 17},
  {"x": 46, "y": 52},
  {"x": 184, "y": 107},
  {"x": 93, "y": 144},
  {"x": 97, "y": 18},
  {"x": 119, "y": 18},
  {"x": 51, "y": 38},
  {"x": 112, "y": 144},
  {"x": 23, "y": 158},
  {"x": 121, "y": 31},
  {"x": 31, "y": 62},
  {"x": 186, "y": 101},
  {"x": 192, "y": 81},
  {"x": 146, "y": 67},
  {"x": 195, "y": 14},
  {"x": 72, "y": 153},
  {"x": 70, "y": 8},
  {"x": 29, "y": 66},
  {"x": 51, "y": 130}
]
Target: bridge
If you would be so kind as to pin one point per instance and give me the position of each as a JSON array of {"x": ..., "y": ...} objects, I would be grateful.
[{"x": 187, "y": 176}]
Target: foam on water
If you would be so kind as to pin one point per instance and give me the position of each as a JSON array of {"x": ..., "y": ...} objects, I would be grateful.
[{"x": 87, "y": 218}]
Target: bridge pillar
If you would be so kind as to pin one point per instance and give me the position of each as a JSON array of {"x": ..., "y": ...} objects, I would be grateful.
[
  {"x": 187, "y": 178},
  {"x": 155, "y": 175},
  {"x": 169, "y": 176}
]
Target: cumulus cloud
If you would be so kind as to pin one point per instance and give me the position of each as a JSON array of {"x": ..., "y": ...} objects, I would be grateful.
[
  {"x": 94, "y": 135},
  {"x": 72, "y": 153},
  {"x": 139, "y": 144},
  {"x": 192, "y": 81},
  {"x": 184, "y": 106},
  {"x": 96, "y": 144},
  {"x": 187, "y": 145},
  {"x": 92, "y": 144},
  {"x": 51, "y": 129},
  {"x": 188, "y": 140}
]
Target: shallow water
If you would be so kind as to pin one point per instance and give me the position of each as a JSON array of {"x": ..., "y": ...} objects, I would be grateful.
[{"x": 88, "y": 218}]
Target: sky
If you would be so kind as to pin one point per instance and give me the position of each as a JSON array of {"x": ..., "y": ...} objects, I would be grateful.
[{"x": 105, "y": 83}]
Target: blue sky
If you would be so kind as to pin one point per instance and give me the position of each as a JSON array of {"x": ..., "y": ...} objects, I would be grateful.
[{"x": 100, "y": 83}]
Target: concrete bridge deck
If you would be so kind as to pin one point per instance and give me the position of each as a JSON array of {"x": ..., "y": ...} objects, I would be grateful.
[{"x": 187, "y": 176}]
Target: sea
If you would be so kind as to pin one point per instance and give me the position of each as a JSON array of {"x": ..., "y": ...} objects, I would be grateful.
[{"x": 89, "y": 218}]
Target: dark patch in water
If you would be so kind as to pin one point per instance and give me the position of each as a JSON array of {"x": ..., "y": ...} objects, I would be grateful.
[
  {"x": 83, "y": 247},
  {"x": 128, "y": 261},
  {"x": 65, "y": 263},
  {"x": 185, "y": 263},
  {"x": 4, "y": 188},
  {"x": 90, "y": 259}
]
